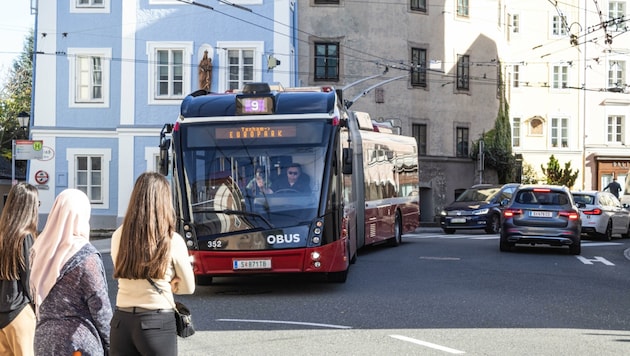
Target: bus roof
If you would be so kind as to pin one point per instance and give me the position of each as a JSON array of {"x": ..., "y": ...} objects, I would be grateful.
[{"x": 304, "y": 101}]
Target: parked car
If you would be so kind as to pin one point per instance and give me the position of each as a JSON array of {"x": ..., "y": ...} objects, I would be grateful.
[
  {"x": 541, "y": 214},
  {"x": 478, "y": 207},
  {"x": 602, "y": 214}
]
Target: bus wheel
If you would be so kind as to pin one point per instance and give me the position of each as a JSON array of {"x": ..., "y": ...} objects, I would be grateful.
[
  {"x": 204, "y": 280},
  {"x": 337, "y": 277},
  {"x": 397, "y": 239}
]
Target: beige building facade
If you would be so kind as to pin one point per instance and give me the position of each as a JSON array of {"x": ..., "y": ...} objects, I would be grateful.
[{"x": 437, "y": 63}]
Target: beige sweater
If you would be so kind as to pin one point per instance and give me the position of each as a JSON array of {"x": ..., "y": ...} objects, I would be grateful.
[{"x": 140, "y": 293}]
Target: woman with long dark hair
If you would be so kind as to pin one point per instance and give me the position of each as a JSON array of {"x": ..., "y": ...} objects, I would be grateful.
[
  {"x": 18, "y": 229},
  {"x": 145, "y": 247}
]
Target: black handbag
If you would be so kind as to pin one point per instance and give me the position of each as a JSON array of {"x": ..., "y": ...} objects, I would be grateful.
[{"x": 183, "y": 318}]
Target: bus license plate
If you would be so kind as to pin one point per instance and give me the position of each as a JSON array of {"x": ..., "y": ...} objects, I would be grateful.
[
  {"x": 458, "y": 220},
  {"x": 252, "y": 264}
]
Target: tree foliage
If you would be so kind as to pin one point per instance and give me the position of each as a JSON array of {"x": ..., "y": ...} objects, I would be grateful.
[
  {"x": 560, "y": 176},
  {"x": 15, "y": 97},
  {"x": 497, "y": 146}
]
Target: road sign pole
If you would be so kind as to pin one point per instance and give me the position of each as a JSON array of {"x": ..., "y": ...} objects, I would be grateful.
[{"x": 13, "y": 182}]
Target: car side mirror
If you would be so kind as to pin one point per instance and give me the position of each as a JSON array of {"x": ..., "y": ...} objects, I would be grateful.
[
  {"x": 504, "y": 202},
  {"x": 581, "y": 205}
]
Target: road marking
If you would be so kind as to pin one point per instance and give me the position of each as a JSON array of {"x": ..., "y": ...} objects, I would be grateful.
[
  {"x": 427, "y": 344},
  {"x": 287, "y": 322},
  {"x": 440, "y": 258},
  {"x": 589, "y": 261}
]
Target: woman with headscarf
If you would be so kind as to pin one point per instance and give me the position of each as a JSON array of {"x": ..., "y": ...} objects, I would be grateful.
[
  {"x": 69, "y": 284},
  {"x": 145, "y": 247},
  {"x": 18, "y": 228}
]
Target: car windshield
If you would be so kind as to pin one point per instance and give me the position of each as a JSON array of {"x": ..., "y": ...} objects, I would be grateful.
[
  {"x": 584, "y": 198},
  {"x": 542, "y": 197},
  {"x": 478, "y": 194}
]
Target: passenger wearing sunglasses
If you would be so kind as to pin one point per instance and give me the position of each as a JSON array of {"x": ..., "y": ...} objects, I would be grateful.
[{"x": 292, "y": 183}]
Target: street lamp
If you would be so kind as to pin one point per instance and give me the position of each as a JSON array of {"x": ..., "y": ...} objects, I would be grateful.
[{"x": 23, "y": 119}]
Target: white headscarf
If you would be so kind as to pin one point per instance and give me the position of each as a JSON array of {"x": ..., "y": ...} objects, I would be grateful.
[{"x": 67, "y": 230}]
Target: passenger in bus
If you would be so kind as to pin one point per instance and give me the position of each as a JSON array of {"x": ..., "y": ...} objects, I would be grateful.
[
  {"x": 259, "y": 184},
  {"x": 293, "y": 181}
]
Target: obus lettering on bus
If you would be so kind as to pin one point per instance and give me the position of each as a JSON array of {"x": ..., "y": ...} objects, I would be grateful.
[{"x": 283, "y": 239}]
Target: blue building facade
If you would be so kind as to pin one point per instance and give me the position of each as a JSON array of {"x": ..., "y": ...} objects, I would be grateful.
[{"x": 108, "y": 74}]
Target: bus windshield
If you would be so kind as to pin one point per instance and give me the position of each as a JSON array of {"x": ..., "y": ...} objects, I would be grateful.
[{"x": 252, "y": 177}]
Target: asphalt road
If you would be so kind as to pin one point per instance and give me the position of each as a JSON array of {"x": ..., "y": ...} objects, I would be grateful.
[{"x": 435, "y": 294}]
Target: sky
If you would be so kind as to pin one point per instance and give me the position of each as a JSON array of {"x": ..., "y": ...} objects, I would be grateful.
[{"x": 15, "y": 23}]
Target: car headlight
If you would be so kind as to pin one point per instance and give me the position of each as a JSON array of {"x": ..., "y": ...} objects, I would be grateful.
[
  {"x": 481, "y": 211},
  {"x": 443, "y": 212}
]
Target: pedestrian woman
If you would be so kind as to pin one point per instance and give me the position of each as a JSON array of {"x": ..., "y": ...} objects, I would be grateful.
[
  {"x": 18, "y": 228},
  {"x": 145, "y": 247},
  {"x": 68, "y": 278}
]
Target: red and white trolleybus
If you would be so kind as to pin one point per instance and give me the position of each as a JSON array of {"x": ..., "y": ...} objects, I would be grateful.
[{"x": 227, "y": 154}]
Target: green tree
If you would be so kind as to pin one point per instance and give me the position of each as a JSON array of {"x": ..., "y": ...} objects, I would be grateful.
[
  {"x": 529, "y": 175},
  {"x": 560, "y": 176},
  {"x": 498, "y": 145},
  {"x": 15, "y": 97}
]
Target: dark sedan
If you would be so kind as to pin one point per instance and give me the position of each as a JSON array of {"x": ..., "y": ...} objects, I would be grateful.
[
  {"x": 476, "y": 208},
  {"x": 541, "y": 214}
]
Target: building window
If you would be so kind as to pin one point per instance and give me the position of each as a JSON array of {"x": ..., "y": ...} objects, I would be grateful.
[
  {"x": 516, "y": 23},
  {"x": 560, "y": 78},
  {"x": 559, "y": 132},
  {"x": 516, "y": 132},
  {"x": 240, "y": 68},
  {"x": 320, "y": 2},
  {"x": 169, "y": 71},
  {"x": 616, "y": 15},
  {"x": 558, "y": 26},
  {"x": 89, "y": 6},
  {"x": 463, "y": 72},
  {"x": 616, "y": 73},
  {"x": 327, "y": 61},
  {"x": 89, "y": 172},
  {"x": 419, "y": 132},
  {"x": 419, "y": 5},
  {"x": 516, "y": 75},
  {"x": 240, "y": 63},
  {"x": 615, "y": 129},
  {"x": 419, "y": 67},
  {"x": 89, "y": 77},
  {"x": 462, "y": 142},
  {"x": 462, "y": 8}
]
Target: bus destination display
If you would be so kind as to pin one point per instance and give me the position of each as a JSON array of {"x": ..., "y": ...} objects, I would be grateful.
[
  {"x": 264, "y": 132},
  {"x": 254, "y": 105}
]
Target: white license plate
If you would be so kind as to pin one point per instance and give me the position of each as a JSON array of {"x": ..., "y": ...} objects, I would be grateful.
[
  {"x": 541, "y": 214},
  {"x": 458, "y": 220},
  {"x": 251, "y": 264}
]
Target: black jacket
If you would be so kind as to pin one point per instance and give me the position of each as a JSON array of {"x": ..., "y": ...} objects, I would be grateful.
[{"x": 15, "y": 295}]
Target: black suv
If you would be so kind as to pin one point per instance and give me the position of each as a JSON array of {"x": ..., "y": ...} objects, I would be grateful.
[{"x": 478, "y": 207}]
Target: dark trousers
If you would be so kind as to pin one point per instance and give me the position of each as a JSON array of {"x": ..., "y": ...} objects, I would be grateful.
[{"x": 149, "y": 333}]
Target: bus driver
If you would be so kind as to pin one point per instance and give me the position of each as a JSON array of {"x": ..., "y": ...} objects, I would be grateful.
[{"x": 292, "y": 182}]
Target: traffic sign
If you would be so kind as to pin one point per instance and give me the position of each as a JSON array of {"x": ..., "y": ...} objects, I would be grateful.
[{"x": 41, "y": 177}]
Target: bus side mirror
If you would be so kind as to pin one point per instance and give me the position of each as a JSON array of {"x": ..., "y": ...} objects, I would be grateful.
[
  {"x": 346, "y": 167},
  {"x": 164, "y": 159}
]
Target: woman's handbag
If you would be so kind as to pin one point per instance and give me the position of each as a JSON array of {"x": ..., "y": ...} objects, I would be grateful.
[{"x": 183, "y": 319}]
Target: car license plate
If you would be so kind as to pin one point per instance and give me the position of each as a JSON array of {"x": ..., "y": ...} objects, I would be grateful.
[
  {"x": 251, "y": 264},
  {"x": 541, "y": 214},
  {"x": 458, "y": 220}
]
